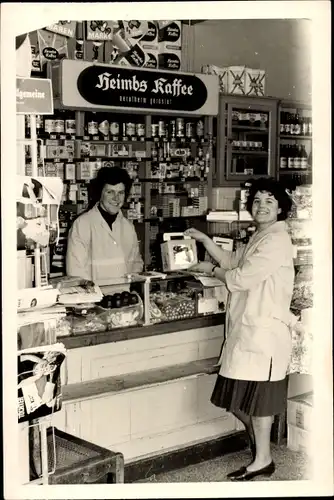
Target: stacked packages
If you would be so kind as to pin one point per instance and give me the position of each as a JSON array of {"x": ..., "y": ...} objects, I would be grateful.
[
  {"x": 238, "y": 80},
  {"x": 299, "y": 418}
]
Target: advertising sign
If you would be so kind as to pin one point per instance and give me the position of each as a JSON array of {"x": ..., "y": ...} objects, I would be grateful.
[
  {"x": 87, "y": 86},
  {"x": 34, "y": 96}
]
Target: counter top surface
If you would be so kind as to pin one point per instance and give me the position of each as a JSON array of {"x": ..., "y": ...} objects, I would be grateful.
[{"x": 135, "y": 332}]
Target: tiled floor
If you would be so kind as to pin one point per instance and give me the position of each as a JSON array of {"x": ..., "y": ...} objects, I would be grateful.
[{"x": 290, "y": 466}]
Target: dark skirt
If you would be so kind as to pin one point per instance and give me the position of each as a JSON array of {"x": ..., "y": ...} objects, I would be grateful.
[{"x": 259, "y": 399}]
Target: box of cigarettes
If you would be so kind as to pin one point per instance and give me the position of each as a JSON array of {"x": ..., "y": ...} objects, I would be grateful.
[
  {"x": 83, "y": 172},
  {"x": 236, "y": 80},
  {"x": 70, "y": 172},
  {"x": 255, "y": 82}
]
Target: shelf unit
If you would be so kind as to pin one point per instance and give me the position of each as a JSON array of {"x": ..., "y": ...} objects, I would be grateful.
[
  {"x": 151, "y": 191},
  {"x": 254, "y": 155},
  {"x": 298, "y": 176}
]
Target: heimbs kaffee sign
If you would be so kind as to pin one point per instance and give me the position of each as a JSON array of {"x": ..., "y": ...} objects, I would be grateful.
[{"x": 84, "y": 85}]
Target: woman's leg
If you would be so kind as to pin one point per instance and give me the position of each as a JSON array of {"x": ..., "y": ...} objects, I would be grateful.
[
  {"x": 262, "y": 430},
  {"x": 247, "y": 421}
]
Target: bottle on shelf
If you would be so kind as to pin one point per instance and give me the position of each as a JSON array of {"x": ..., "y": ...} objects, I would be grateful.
[
  {"x": 291, "y": 156},
  {"x": 303, "y": 158},
  {"x": 298, "y": 124},
  {"x": 283, "y": 158},
  {"x": 309, "y": 126},
  {"x": 297, "y": 157},
  {"x": 282, "y": 122}
]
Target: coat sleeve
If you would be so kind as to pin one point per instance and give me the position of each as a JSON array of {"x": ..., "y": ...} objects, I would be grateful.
[
  {"x": 135, "y": 261},
  {"x": 78, "y": 261},
  {"x": 269, "y": 255},
  {"x": 230, "y": 260}
]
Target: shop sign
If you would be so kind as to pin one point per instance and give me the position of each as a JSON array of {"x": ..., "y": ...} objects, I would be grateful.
[
  {"x": 34, "y": 96},
  {"x": 106, "y": 87}
]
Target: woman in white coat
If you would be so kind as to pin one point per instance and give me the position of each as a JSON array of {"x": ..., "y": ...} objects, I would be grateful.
[
  {"x": 102, "y": 243},
  {"x": 252, "y": 382}
]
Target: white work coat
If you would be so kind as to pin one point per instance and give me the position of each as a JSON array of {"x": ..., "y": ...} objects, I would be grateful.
[
  {"x": 260, "y": 280},
  {"x": 96, "y": 253}
]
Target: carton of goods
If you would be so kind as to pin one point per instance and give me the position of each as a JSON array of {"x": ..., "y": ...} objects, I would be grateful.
[
  {"x": 299, "y": 411},
  {"x": 236, "y": 80},
  {"x": 255, "y": 82},
  {"x": 178, "y": 254},
  {"x": 298, "y": 439},
  {"x": 222, "y": 73},
  {"x": 83, "y": 171},
  {"x": 151, "y": 58},
  {"x": 170, "y": 33},
  {"x": 169, "y": 58},
  {"x": 150, "y": 40}
]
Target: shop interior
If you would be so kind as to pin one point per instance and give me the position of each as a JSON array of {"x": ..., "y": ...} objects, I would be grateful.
[{"x": 123, "y": 370}]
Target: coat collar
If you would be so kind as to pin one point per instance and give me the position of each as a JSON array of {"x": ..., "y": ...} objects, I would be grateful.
[
  {"x": 100, "y": 220},
  {"x": 276, "y": 227}
]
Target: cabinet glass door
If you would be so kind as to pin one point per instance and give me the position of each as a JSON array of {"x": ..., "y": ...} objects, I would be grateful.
[{"x": 249, "y": 140}]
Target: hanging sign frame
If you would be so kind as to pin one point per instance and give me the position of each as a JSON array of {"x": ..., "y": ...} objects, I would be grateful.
[{"x": 105, "y": 87}]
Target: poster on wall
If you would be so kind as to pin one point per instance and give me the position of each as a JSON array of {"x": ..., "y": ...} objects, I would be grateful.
[
  {"x": 64, "y": 28},
  {"x": 100, "y": 86}
]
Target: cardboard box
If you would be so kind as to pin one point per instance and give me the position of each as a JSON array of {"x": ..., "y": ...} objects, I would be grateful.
[
  {"x": 236, "y": 80},
  {"x": 300, "y": 410},
  {"x": 178, "y": 254},
  {"x": 100, "y": 30},
  {"x": 170, "y": 32},
  {"x": 222, "y": 73},
  {"x": 298, "y": 439},
  {"x": 169, "y": 59},
  {"x": 255, "y": 82}
]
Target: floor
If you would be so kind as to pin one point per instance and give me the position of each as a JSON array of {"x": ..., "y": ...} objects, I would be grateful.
[{"x": 290, "y": 466}]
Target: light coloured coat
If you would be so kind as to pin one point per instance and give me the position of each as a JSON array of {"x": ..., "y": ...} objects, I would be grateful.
[
  {"x": 260, "y": 280},
  {"x": 96, "y": 253}
]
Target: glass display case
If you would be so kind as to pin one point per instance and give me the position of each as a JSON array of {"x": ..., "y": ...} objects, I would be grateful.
[{"x": 247, "y": 133}]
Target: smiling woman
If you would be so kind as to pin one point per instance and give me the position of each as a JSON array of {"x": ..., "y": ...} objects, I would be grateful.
[
  {"x": 102, "y": 243},
  {"x": 252, "y": 381}
]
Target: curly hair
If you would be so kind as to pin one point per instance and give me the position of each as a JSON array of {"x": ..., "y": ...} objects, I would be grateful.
[
  {"x": 108, "y": 175},
  {"x": 275, "y": 188}
]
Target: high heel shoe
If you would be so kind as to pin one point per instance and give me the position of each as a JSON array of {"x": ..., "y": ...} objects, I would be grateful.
[{"x": 249, "y": 475}]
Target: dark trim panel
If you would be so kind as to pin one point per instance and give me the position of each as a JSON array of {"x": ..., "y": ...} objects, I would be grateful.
[
  {"x": 136, "y": 332},
  {"x": 190, "y": 455}
]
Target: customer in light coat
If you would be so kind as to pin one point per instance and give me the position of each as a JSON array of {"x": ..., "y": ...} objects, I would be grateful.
[
  {"x": 102, "y": 243},
  {"x": 257, "y": 347}
]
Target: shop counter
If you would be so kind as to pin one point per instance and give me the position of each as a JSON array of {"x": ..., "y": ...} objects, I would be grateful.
[{"x": 143, "y": 391}]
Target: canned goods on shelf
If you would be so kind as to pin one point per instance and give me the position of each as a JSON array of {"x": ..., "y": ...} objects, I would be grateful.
[
  {"x": 130, "y": 129},
  {"x": 180, "y": 127},
  {"x": 114, "y": 128},
  {"x": 140, "y": 129},
  {"x": 190, "y": 129},
  {"x": 49, "y": 126},
  {"x": 155, "y": 129},
  {"x": 161, "y": 128},
  {"x": 93, "y": 128},
  {"x": 70, "y": 127},
  {"x": 59, "y": 126}
]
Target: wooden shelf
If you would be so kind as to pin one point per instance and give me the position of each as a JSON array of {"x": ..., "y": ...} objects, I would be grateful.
[
  {"x": 251, "y": 153},
  {"x": 251, "y": 129},
  {"x": 294, "y": 137}
]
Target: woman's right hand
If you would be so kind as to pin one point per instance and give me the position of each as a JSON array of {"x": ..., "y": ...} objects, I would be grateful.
[{"x": 196, "y": 235}]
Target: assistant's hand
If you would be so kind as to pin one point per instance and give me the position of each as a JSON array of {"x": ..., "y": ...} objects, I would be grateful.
[
  {"x": 196, "y": 235},
  {"x": 202, "y": 267}
]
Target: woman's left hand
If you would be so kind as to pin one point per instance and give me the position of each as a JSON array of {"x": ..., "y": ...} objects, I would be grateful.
[{"x": 202, "y": 267}]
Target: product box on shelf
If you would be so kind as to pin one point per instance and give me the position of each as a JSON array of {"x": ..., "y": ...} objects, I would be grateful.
[
  {"x": 236, "y": 80},
  {"x": 300, "y": 410},
  {"x": 222, "y": 73},
  {"x": 64, "y": 28},
  {"x": 169, "y": 58},
  {"x": 170, "y": 33},
  {"x": 83, "y": 171},
  {"x": 255, "y": 81},
  {"x": 100, "y": 30},
  {"x": 51, "y": 46}
]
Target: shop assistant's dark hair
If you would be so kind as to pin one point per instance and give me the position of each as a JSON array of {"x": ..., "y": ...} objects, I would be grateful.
[
  {"x": 108, "y": 175},
  {"x": 272, "y": 186}
]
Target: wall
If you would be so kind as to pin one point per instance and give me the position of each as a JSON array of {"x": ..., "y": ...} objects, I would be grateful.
[{"x": 280, "y": 46}]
